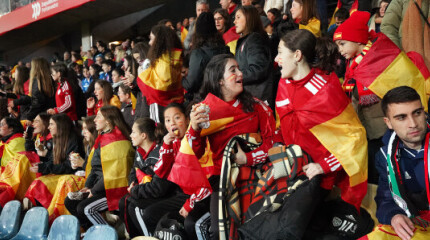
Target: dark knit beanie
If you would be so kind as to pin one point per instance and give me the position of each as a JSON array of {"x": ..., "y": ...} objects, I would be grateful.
[{"x": 205, "y": 24}]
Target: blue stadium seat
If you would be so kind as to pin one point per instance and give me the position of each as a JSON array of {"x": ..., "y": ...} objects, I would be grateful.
[
  {"x": 98, "y": 232},
  {"x": 34, "y": 226},
  {"x": 65, "y": 227},
  {"x": 9, "y": 220}
]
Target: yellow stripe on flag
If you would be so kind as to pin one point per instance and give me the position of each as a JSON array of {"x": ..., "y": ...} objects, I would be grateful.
[
  {"x": 117, "y": 159},
  {"x": 345, "y": 138},
  {"x": 232, "y": 45},
  {"x": 10, "y": 149},
  {"x": 217, "y": 125},
  {"x": 401, "y": 72}
]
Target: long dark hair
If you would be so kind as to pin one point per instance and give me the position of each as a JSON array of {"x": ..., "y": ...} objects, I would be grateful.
[
  {"x": 45, "y": 120},
  {"x": 166, "y": 40},
  {"x": 210, "y": 39},
  {"x": 226, "y": 16},
  {"x": 253, "y": 20},
  {"x": 65, "y": 130},
  {"x": 107, "y": 91},
  {"x": 155, "y": 132},
  {"x": 91, "y": 127},
  {"x": 318, "y": 52},
  {"x": 132, "y": 64},
  {"x": 115, "y": 118},
  {"x": 97, "y": 70},
  {"x": 14, "y": 124},
  {"x": 211, "y": 82},
  {"x": 23, "y": 75}
]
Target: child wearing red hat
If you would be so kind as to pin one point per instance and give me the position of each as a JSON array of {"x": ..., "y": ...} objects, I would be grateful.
[{"x": 353, "y": 39}]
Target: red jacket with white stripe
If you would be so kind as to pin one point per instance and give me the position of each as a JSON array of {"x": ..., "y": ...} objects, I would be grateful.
[
  {"x": 293, "y": 132},
  {"x": 65, "y": 100}
]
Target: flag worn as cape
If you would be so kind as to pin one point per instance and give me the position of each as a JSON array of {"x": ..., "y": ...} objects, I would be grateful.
[
  {"x": 17, "y": 177},
  {"x": 230, "y": 38},
  {"x": 117, "y": 156},
  {"x": 161, "y": 82},
  {"x": 8, "y": 149},
  {"x": 353, "y": 8},
  {"x": 330, "y": 117},
  {"x": 222, "y": 116},
  {"x": 385, "y": 67}
]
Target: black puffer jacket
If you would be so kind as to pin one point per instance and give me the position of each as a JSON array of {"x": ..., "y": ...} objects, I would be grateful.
[
  {"x": 199, "y": 58},
  {"x": 157, "y": 187},
  {"x": 255, "y": 62}
]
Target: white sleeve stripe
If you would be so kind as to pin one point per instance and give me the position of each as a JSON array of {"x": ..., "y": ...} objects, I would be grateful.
[
  {"x": 67, "y": 104},
  {"x": 335, "y": 167}
]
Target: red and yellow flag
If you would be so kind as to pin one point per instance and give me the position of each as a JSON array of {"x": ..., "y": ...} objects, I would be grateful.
[
  {"x": 385, "y": 67},
  {"x": 317, "y": 115},
  {"x": 8, "y": 149},
  {"x": 353, "y": 8},
  {"x": 17, "y": 177},
  {"x": 386, "y": 232},
  {"x": 161, "y": 82},
  {"x": 117, "y": 157},
  {"x": 230, "y": 38},
  {"x": 184, "y": 33}
]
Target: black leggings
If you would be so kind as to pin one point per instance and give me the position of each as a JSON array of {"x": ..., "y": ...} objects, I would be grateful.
[{"x": 88, "y": 210}]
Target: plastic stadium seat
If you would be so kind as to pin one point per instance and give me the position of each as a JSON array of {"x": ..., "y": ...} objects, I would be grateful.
[
  {"x": 98, "y": 232},
  {"x": 65, "y": 227},
  {"x": 34, "y": 226},
  {"x": 9, "y": 220}
]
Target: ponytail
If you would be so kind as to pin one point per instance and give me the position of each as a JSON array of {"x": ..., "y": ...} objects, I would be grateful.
[
  {"x": 154, "y": 131},
  {"x": 318, "y": 52}
]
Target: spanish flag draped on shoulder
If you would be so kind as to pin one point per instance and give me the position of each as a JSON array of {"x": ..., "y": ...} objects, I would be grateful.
[
  {"x": 385, "y": 67},
  {"x": 117, "y": 156},
  {"x": 230, "y": 38},
  {"x": 8, "y": 149},
  {"x": 223, "y": 117},
  {"x": 161, "y": 82},
  {"x": 317, "y": 112}
]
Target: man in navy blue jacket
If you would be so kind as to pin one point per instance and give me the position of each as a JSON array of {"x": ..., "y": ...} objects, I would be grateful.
[{"x": 402, "y": 195}]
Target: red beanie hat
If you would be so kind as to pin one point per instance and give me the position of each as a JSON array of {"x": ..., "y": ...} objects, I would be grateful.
[{"x": 354, "y": 28}]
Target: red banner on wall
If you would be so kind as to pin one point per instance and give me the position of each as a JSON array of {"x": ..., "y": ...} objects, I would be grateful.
[{"x": 36, "y": 11}]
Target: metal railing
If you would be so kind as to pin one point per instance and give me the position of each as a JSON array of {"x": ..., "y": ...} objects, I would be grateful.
[{"x": 7, "y": 6}]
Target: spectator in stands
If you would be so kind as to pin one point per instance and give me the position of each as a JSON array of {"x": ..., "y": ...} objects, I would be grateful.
[
  {"x": 64, "y": 97},
  {"x": 107, "y": 66},
  {"x": 41, "y": 88},
  {"x": 119, "y": 55},
  {"x": 104, "y": 94},
  {"x": 161, "y": 82},
  {"x": 340, "y": 16},
  {"x": 66, "y": 140},
  {"x": 402, "y": 193},
  {"x": 207, "y": 42},
  {"x": 140, "y": 52},
  {"x": 99, "y": 58},
  {"x": 166, "y": 22},
  {"x": 230, "y": 6},
  {"x": 305, "y": 86},
  {"x": 40, "y": 139},
  {"x": 76, "y": 58},
  {"x": 223, "y": 92},
  {"x": 305, "y": 14},
  {"x": 201, "y": 6},
  {"x": 11, "y": 139},
  {"x": 117, "y": 77},
  {"x": 21, "y": 99},
  {"x": 67, "y": 58},
  {"x": 246, "y": 2},
  {"x": 86, "y": 80},
  {"x": 407, "y": 28},
  {"x": 222, "y": 20},
  {"x": 253, "y": 54},
  {"x": 128, "y": 106},
  {"x": 102, "y": 48},
  {"x": 145, "y": 187},
  {"x": 105, "y": 184},
  {"x": 376, "y": 20}
]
